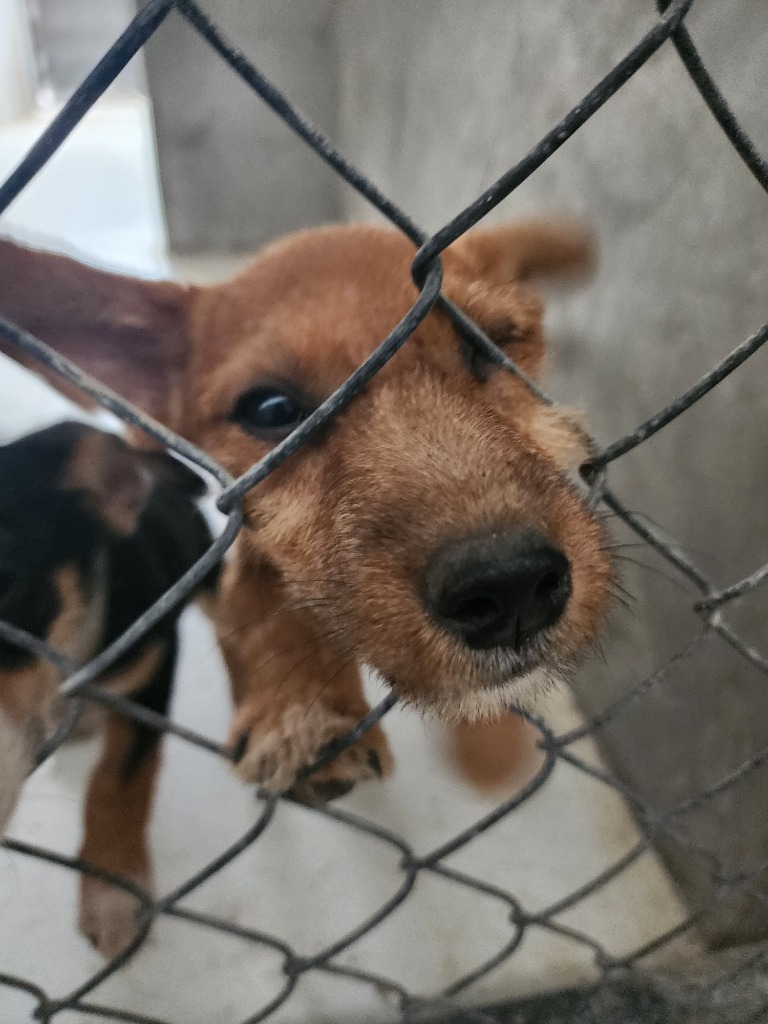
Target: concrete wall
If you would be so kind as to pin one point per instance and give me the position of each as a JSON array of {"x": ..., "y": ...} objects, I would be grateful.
[
  {"x": 232, "y": 174},
  {"x": 434, "y": 100},
  {"x": 48, "y": 46},
  {"x": 15, "y": 65}
]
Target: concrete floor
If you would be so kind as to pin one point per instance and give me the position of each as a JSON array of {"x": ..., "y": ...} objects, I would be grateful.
[{"x": 308, "y": 879}]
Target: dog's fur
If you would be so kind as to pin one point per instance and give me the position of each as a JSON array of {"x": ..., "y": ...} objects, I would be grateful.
[
  {"x": 92, "y": 532},
  {"x": 438, "y": 448}
]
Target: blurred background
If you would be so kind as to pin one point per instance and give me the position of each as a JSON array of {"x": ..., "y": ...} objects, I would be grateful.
[{"x": 181, "y": 170}]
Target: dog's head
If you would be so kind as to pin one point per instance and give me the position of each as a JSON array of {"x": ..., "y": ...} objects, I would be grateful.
[
  {"x": 65, "y": 493},
  {"x": 433, "y": 529}
]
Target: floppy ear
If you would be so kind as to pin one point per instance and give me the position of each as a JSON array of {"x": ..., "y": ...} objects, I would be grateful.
[
  {"x": 111, "y": 477},
  {"x": 532, "y": 249},
  {"x": 129, "y": 333},
  {"x": 173, "y": 472}
]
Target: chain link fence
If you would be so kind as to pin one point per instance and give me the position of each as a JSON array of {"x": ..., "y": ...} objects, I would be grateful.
[{"x": 682, "y": 999}]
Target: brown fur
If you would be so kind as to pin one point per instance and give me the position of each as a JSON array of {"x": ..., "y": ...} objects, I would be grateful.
[
  {"x": 327, "y": 574},
  {"x": 498, "y": 754},
  {"x": 117, "y": 811}
]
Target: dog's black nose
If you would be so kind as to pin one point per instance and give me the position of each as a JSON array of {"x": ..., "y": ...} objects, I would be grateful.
[{"x": 499, "y": 590}]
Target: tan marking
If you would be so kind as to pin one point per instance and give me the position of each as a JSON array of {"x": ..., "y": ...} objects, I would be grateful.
[
  {"x": 30, "y": 693},
  {"x": 16, "y": 753},
  {"x": 117, "y": 812},
  {"x": 113, "y": 478},
  {"x": 29, "y": 702},
  {"x": 108, "y": 914},
  {"x": 77, "y": 629},
  {"x": 137, "y": 673}
]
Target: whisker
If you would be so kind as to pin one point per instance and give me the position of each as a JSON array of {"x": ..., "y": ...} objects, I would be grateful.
[
  {"x": 657, "y": 570},
  {"x": 316, "y": 640},
  {"x": 625, "y": 601},
  {"x": 617, "y": 587},
  {"x": 321, "y": 640},
  {"x": 597, "y": 648},
  {"x": 288, "y": 606},
  {"x": 665, "y": 532},
  {"x": 345, "y": 664}
]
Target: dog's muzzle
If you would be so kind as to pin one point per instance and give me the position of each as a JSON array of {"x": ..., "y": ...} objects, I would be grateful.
[{"x": 497, "y": 590}]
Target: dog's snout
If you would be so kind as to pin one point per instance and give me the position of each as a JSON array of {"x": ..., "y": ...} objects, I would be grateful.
[{"x": 499, "y": 590}]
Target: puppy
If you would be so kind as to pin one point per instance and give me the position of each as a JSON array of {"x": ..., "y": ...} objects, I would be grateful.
[
  {"x": 432, "y": 530},
  {"x": 91, "y": 534}
]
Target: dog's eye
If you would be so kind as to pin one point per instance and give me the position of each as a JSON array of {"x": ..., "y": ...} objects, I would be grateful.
[{"x": 269, "y": 412}]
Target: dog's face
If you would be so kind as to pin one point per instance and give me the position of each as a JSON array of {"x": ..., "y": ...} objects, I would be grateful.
[{"x": 432, "y": 530}]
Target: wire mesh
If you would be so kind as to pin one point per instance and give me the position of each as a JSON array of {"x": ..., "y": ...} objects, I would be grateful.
[{"x": 80, "y": 682}]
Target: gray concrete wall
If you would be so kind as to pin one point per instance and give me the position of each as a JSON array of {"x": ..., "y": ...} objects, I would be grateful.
[
  {"x": 434, "y": 100},
  {"x": 232, "y": 175},
  {"x": 15, "y": 62},
  {"x": 69, "y": 37}
]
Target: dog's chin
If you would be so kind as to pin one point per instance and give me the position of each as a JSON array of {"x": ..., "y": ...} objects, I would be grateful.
[
  {"x": 485, "y": 703},
  {"x": 478, "y": 701}
]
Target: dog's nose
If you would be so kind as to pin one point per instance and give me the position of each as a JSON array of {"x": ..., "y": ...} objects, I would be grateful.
[{"x": 498, "y": 590}]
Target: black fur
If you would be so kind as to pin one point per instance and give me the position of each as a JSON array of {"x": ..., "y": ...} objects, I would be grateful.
[
  {"x": 44, "y": 528},
  {"x": 156, "y": 695}
]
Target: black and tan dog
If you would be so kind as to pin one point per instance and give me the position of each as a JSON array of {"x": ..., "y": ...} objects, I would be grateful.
[{"x": 92, "y": 532}]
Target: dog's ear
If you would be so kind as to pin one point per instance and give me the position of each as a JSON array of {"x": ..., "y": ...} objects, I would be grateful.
[
  {"x": 111, "y": 477},
  {"x": 533, "y": 249},
  {"x": 175, "y": 473},
  {"x": 129, "y": 333}
]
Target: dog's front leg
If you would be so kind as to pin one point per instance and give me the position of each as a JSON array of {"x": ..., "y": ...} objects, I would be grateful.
[
  {"x": 294, "y": 692},
  {"x": 119, "y": 803}
]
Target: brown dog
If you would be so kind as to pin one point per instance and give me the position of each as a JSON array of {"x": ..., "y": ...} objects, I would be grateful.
[{"x": 432, "y": 531}]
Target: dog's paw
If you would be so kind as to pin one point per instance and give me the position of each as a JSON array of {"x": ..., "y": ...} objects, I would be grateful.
[
  {"x": 275, "y": 750},
  {"x": 108, "y": 915}
]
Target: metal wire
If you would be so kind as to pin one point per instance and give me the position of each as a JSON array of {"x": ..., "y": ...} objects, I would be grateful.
[{"x": 80, "y": 683}]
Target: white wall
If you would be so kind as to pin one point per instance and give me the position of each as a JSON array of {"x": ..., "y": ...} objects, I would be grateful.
[{"x": 15, "y": 66}]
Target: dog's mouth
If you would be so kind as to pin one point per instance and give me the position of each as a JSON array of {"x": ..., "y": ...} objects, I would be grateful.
[
  {"x": 501, "y": 666},
  {"x": 487, "y": 683}
]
